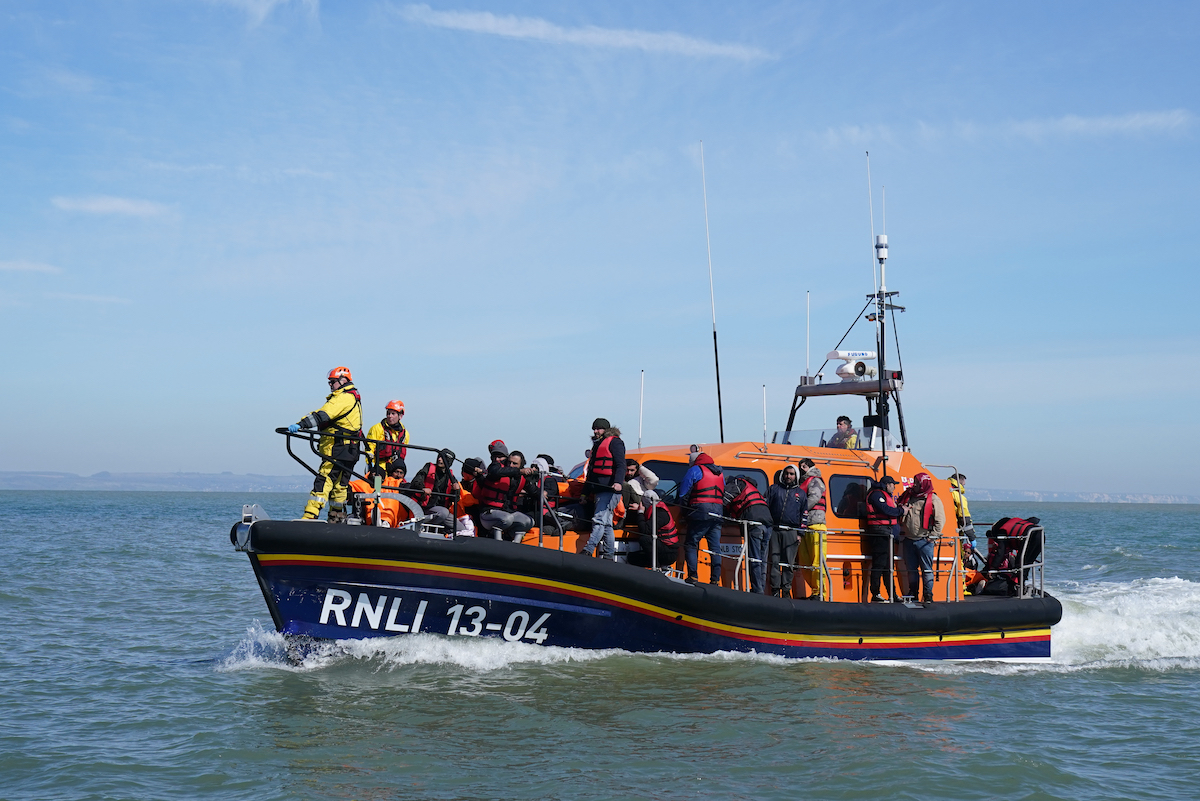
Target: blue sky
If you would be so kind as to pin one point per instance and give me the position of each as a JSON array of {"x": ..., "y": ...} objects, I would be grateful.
[{"x": 494, "y": 213}]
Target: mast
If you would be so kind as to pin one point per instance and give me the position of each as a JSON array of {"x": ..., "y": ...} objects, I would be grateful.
[
  {"x": 881, "y": 254},
  {"x": 711, "y": 294}
]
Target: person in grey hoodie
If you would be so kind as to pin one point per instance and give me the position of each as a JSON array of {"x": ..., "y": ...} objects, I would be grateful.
[{"x": 812, "y": 544}]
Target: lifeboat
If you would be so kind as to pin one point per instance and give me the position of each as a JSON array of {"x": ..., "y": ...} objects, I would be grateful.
[{"x": 369, "y": 580}]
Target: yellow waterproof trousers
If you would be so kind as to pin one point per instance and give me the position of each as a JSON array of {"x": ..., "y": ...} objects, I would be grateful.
[
  {"x": 812, "y": 560},
  {"x": 332, "y": 484}
]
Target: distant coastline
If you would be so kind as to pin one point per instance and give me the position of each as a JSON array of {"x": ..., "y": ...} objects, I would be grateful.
[
  {"x": 229, "y": 482},
  {"x": 154, "y": 482}
]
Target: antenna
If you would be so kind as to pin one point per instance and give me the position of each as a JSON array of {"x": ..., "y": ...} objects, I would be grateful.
[
  {"x": 807, "y": 328},
  {"x": 641, "y": 407},
  {"x": 871, "y": 207},
  {"x": 764, "y": 418},
  {"x": 711, "y": 294}
]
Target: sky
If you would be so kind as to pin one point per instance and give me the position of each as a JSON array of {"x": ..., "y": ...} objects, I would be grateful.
[{"x": 496, "y": 214}]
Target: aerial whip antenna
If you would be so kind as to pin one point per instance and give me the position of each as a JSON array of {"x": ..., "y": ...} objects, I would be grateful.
[
  {"x": 871, "y": 207},
  {"x": 712, "y": 295},
  {"x": 641, "y": 407}
]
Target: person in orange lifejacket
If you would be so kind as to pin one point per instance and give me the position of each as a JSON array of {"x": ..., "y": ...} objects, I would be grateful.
[
  {"x": 467, "y": 503},
  {"x": 391, "y": 511},
  {"x": 702, "y": 490},
  {"x": 496, "y": 490},
  {"x": 743, "y": 501},
  {"x": 668, "y": 538},
  {"x": 881, "y": 535},
  {"x": 435, "y": 489},
  {"x": 605, "y": 472},
  {"x": 389, "y": 431}
]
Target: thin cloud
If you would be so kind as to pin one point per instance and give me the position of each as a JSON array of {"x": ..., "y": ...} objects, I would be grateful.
[
  {"x": 540, "y": 30},
  {"x": 107, "y": 204},
  {"x": 29, "y": 267},
  {"x": 1074, "y": 125},
  {"x": 87, "y": 298},
  {"x": 258, "y": 10}
]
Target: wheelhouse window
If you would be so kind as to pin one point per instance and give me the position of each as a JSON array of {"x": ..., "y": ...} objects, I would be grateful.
[
  {"x": 848, "y": 496},
  {"x": 670, "y": 476}
]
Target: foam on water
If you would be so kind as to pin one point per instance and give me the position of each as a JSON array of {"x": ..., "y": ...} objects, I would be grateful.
[{"x": 1146, "y": 624}]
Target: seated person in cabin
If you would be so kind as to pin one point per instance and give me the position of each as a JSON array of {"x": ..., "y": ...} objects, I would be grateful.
[
  {"x": 852, "y": 505},
  {"x": 496, "y": 490},
  {"x": 658, "y": 516},
  {"x": 435, "y": 489},
  {"x": 787, "y": 503},
  {"x": 845, "y": 436},
  {"x": 743, "y": 501}
]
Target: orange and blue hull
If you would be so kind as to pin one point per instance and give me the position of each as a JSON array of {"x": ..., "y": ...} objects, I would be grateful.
[{"x": 341, "y": 582}]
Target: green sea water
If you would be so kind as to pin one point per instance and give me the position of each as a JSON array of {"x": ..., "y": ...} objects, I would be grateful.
[{"x": 139, "y": 662}]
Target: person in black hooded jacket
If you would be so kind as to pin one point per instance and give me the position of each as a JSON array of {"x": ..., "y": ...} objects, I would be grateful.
[
  {"x": 787, "y": 503},
  {"x": 437, "y": 495}
]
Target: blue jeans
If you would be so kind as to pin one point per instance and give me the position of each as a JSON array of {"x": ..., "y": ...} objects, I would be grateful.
[
  {"x": 919, "y": 552},
  {"x": 602, "y": 527},
  {"x": 758, "y": 535},
  {"x": 701, "y": 526}
]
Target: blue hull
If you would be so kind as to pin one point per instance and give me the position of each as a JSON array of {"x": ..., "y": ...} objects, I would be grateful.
[{"x": 320, "y": 582}]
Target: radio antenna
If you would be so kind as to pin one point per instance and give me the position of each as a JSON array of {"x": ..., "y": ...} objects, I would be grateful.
[
  {"x": 641, "y": 407},
  {"x": 711, "y": 294},
  {"x": 807, "y": 328},
  {"x": 871, "y": 207}
]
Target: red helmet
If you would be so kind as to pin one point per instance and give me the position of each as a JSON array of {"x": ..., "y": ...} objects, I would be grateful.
[
  {"x": 340, "y": 372},
  {"x": 394, "y": 406}
]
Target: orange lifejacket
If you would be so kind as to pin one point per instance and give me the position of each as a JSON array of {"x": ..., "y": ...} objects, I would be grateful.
[{"x": 390, "y": 508}]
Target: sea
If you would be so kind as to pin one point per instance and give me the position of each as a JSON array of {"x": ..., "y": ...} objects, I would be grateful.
[{"x": 139, "y": 662}]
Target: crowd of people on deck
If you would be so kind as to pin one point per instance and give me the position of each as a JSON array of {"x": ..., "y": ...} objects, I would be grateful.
[{"x": 507, "y": 496}]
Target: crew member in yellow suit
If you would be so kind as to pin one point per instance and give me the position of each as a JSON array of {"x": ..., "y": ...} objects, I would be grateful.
[{"x": 339, "y": 418}]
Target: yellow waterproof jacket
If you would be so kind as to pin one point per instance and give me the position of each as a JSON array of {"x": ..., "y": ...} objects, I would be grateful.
[
  {"x": 961, "y": 510},
  {"x": 341, "y": 414},
  {"x": 379, "y": 431}
]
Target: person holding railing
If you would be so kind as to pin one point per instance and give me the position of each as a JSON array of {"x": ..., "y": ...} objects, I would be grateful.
[
  {"x": 744, "y": 502},
  {"x": 435, "y": 489},
  {"x": 702, "y": 491},
  {"x": 812, "y": 543},
  {"x": 657, "y": 516},
  {"x": 340, "y": 422},
  {"x": 496, "y": 489},
  {"x": 882, "y": 529},
  {"x": 787, "y": 503},
  {"x": 923, "y": 520}
]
